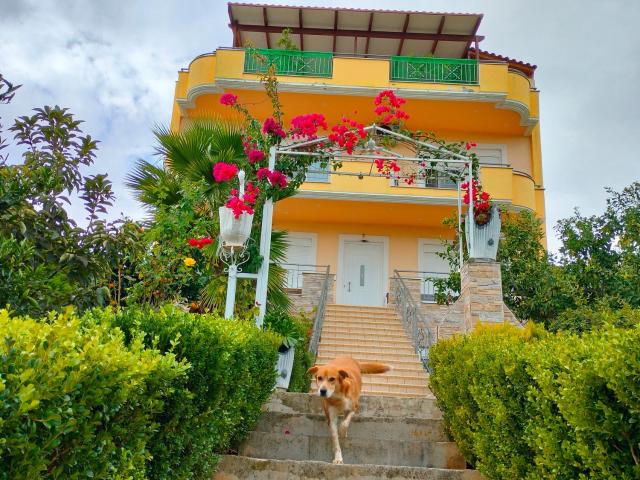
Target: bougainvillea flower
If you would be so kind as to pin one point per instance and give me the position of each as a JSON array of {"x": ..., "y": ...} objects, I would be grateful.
[
  {"x": 271, "y": 127},
  {"x": 277, "y": 179},
  {"x": 238, "y": 207},
  {"x": 223, "y": 172},
  {"x": 251, "y": 194},
  {"x": 470, "y": 145},
  {"x": 229, "y": 99},
  {"x": 347, "y": 134},
  {"x": 189, "y": 262},
  {"x": 255, "y": 156},
  {"x": 263, "y": 173},
  {"x": 306, "y": 126}
]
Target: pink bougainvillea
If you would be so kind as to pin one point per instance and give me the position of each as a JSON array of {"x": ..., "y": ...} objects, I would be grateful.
[
  {"x": 223, "y": 172},
  {"x": 481, "y": 202},
  {"x": 255, "y": 156},
  {"x": 388, "y": 108},
  {"x": 245, "y": 204},
  {"x": 347, "y": 134},
  {"x": 275, "y": 178},
  {"x": 271, "y": 127},
  {"x": 307, "y": 126},
  {"x": 229, "y": 99}
]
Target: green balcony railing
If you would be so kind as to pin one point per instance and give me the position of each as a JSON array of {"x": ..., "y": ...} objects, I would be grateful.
[
  {"x": 289, "y": 62},
  {"x": 434, "y": 70}
]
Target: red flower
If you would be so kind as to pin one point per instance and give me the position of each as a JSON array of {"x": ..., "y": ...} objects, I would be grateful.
[
  {"x": 344, "y": 136},
  {"x": 271, "y": 127},
  {"x": 255, "y": 156},
  {"x": 200, "y": 242},
  {"x": 193, "y": 242},
  {"x": 250, "y": 194},
  {"x": 469, "y": 146},
  {"x": 388, "y": 108},
  {"x": 278, "y": 179},
  {"x": 238, "y": 207},
  {"x": 263, "y": 173},
  {"x": 223, "y": 172},
  {"x": 306, "y": 126},
  {"x": 229, "y": 99}
]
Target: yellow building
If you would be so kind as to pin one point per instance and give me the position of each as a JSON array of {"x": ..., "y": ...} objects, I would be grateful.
[{"x": 365, "y": 229}]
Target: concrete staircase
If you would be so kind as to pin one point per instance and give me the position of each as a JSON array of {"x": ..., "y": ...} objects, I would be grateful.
[
  {"x": 390, "y": 438},
  {"x": 374, "y": 334}
]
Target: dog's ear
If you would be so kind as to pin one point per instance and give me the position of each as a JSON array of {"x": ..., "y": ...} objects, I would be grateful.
[
  {"x": 312, "y": 370},
  {"x": 343, "y": 374}
]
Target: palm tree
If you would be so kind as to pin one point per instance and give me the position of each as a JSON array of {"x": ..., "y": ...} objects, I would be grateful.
[{"x": 188, "y": 157}]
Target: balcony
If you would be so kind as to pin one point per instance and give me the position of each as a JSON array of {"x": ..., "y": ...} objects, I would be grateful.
[
  {"x": 434, "y": 70},
  {"x": 290, "y": 62}
]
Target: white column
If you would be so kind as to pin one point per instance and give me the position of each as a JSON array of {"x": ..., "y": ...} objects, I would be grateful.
[
  {"x": 470, "y": 211},
  {"x": 265, "y": 248},
  {"x": 231, "y": 290}
]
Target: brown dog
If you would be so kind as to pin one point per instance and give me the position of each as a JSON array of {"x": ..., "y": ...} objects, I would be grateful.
[{"x": 339, "y": 384}]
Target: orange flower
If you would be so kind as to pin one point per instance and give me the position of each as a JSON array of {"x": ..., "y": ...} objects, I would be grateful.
[{"x": 189, "y": 262}]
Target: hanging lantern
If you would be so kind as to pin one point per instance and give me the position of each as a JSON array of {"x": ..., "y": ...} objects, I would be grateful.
[{"x": 235, "y": 232}]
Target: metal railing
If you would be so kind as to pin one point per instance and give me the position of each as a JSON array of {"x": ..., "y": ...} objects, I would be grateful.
[
  {"x": 294, "y": 275},
  {"x": 434, "y": 70},
  {"x": 289, "y": 62},
  {"x": 413, "y": 321},
  {"x": 319, "y": 320},
  {"x": 427, "y": 283}
]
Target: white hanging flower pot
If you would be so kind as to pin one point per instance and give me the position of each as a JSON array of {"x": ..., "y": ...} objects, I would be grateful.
[
  {"x": 485, "y": 237},
  {"x": 234, "y": 231}
]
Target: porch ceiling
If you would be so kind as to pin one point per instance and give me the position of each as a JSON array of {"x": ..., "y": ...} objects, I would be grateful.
[{"x": 306, "y": 210}]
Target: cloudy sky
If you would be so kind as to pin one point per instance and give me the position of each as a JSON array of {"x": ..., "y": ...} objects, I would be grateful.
[{"x": 114, "y": 64}]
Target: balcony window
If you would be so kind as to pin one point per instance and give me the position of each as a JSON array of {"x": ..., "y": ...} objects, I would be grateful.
[
  {"x": 289, "y": 62},
  {"x": 434, "y": 70}
]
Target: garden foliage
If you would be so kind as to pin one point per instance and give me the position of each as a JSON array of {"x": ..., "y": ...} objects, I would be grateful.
[
  {"x": 76, "y": 402},
  {"x": 231, "y": 375},
  {"x": 527, "y": 404},
  {"x": 128, "y": 394}
]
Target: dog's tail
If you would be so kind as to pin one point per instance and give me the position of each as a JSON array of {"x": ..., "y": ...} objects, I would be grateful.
[{"x": 374, "y": 367}]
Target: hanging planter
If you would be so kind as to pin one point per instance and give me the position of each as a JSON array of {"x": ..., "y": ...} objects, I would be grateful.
[
  {"x": 485, "y": 237},
  {"x": 234, "y": 232}
]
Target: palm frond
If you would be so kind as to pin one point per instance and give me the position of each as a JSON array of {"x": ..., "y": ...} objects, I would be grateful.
[
  {"x": 152, "y": 185},
  {"x": 277, "y": 297}
]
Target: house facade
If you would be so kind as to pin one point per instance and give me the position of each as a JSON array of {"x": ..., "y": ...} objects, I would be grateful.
[{"x": 368, "y": 229}]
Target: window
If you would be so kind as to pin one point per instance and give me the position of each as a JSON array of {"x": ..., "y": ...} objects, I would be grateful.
[
  {"x": 431, "y": 266},
  {"x": 491, "y": 154},
  {"x": 300, "y": 257},
  {"x": 317, "y": 173}
]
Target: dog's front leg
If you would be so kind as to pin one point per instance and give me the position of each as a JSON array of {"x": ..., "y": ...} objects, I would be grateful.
[
  {"x": 345, "y": 424},
  {"x": 333, "y": 425}
]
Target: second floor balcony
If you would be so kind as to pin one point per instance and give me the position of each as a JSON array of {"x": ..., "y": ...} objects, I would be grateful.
[{"x": 400, "y": 68}]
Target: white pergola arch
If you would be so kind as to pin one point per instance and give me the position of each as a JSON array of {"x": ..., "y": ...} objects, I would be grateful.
[{"x": 452, "y": 163}]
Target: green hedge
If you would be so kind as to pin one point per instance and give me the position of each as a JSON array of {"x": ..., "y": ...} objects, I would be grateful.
[
  {"x": 75, "y": 402},
  {"x": 525, "y": 404},
  {"x": 231, "y": 375}
]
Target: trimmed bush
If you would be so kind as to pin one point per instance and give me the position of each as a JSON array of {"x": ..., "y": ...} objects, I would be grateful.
[
  {"x": 522, "y": 403},
  {"x": 77, "y": 403},
  {"x": 231, "y": 375}
]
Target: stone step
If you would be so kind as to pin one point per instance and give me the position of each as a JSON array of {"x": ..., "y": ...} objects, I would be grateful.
[
  {"x": 351, "y": 308},
  {"x": 363, "y": 316},
  {"x": 346, "y": 329},
  {"x": 413, "y": 365},
  {"x": 411, "y": 453},
  {"x": 370, "y": 406},
  {"x": 397, "y": 394},
  {"x": 365, "y": 337},
  {"x": 233, "y": 467},
  {"x": 348, "y": 345},
  {"x": 388, "y": 379},
  {"x": 368, "y": 355}
]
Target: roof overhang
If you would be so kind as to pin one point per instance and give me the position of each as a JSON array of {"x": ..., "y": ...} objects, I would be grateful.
[{"x": 356, "y": 31}]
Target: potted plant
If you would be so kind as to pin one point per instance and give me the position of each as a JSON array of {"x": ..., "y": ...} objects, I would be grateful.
[{"x": 486, "y": 223}]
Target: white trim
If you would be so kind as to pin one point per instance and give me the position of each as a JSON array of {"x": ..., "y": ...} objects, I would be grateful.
[
  {"x": 342, "y": 238},
  {"x": 381, "y": 197}
]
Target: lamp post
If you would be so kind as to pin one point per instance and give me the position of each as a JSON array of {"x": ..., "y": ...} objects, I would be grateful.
[{"x": 232, "y": 247}]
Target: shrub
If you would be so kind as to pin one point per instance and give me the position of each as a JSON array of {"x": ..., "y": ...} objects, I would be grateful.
[
  {"x": 75, "y": 402},
  {"x": 231, "y": 375},
  {"x": 522, "y": 403}
]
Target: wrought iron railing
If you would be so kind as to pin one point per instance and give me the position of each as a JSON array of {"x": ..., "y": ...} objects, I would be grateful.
[
  {"x": 289, "y": 62},
  {"x": 427, "y": 283},
  {"x": 434, "y": 70},
  {"x": 413, "y": 321},
  {"x": 294, "y": 273},
  {"x": 319, "y": 320}
]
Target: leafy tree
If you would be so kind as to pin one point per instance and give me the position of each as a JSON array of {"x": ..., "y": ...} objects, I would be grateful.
[{"x": 46, "y": 259}]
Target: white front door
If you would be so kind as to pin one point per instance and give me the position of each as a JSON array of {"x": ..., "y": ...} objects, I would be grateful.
[{"x": 362, "y": 279}]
